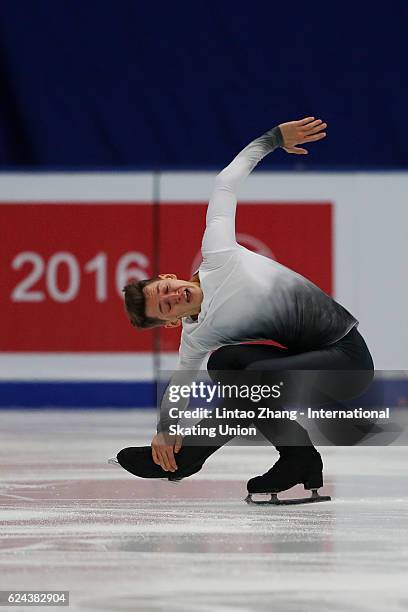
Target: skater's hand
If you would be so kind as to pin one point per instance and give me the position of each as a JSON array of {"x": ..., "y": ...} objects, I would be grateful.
[
  {"x": 163, "y": 448},
  {"x": 299, "y": 132}
]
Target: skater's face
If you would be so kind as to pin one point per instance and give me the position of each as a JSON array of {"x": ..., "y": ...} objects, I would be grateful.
[{"x": 171, "y": 298}]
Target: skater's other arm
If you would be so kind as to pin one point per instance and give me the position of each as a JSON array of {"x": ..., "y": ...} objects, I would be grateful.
[
  {"x": 219, "y": 234},
  {"x": 165, "y": 445},
  {"x": 183, "y": 377}
]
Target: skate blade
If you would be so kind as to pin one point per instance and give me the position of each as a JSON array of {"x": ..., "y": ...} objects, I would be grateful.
[
  {"x": 113, "y": 461},
  {"x": 275, "y": 501}
]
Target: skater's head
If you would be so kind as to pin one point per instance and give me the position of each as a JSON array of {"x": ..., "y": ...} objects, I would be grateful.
[{"x": 163, "y": 300}]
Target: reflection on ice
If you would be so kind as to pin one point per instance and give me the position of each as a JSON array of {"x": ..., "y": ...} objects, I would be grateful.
[{"x": 71, "y": 521}]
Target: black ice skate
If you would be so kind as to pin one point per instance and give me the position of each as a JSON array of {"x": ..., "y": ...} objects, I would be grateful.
[
  {"x": 295, "y": 466},
  {"x": 138, "y": 461}
]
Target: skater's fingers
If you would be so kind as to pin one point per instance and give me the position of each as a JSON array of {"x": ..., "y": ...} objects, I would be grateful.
[
  {"x": 313, "y": 125},
  {"x": 178, "y": 443},
  {"x": 315, "y": 129},
  {"x": 315, "y": 137},
  {"x": 305, "y": 120},
  {"x": 154, "y": 456},
  {"x": 171, "y": 459},
  {"x": 296, "y": 150},
  {"x": 167, "y": 459},
  {"x": 162, "y": 459},
  {"x": 157, "y": 455}
]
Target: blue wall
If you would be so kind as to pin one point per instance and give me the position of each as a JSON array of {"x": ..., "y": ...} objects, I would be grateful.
[
  {"x": 381, "y": 393},
  {"x": 147, "y": 84}
]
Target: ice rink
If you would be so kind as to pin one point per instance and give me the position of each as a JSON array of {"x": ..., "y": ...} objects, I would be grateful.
[{"x": 70, "y": 521}]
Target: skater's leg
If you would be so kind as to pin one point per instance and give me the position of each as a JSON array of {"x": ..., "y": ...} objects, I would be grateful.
[
  {"x": 231, "y": 365},
  {"x": 297, "y": 463},
  {"x": 314, "y": 378}
]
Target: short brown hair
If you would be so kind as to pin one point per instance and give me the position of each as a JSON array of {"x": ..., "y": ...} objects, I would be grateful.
[{"x": 135, "y": 304}]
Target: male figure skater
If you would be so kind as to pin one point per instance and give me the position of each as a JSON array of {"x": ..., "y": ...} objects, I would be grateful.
[{"x": 239, "y": 296}]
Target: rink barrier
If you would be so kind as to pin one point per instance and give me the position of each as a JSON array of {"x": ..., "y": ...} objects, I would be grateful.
[
  {"x": 33, "y": 394},
  {"x": 142, "y": 394}
]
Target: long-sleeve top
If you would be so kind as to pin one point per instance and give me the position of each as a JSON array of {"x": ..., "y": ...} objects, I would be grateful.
[{"x": 247, "y": 296}]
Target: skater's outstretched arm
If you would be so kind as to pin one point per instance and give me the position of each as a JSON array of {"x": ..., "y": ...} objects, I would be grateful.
[{"x": 219, "y": 234}]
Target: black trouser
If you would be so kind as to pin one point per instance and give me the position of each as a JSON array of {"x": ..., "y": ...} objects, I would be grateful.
[{"x": 325, "y": 378}]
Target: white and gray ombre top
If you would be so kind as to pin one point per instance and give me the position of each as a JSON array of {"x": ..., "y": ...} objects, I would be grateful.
[{"x": 247, "y": 296}]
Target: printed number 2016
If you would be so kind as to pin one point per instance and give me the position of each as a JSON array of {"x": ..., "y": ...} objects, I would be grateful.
[{"x": 131, "y": 265}]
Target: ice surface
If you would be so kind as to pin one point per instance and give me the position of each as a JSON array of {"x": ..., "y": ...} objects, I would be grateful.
[{"x": 71, "y": 521}]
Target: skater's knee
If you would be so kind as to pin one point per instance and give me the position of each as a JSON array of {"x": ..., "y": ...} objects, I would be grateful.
[
  {"x": 346, "y": 385},
  {"x": 224, "y": 358},
  {"x": 258, "y": 366}
]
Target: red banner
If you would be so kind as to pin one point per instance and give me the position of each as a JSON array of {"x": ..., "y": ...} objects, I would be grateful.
[{"x": 63, "y": 265}]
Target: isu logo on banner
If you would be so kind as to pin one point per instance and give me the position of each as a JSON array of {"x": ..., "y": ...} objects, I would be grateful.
[
  {"x": 250, "y": 242},
  {"x": 64, "y": 265}
]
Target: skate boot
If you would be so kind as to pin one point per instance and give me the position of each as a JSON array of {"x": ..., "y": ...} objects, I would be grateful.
[
  {"x": 295, "y": 466},
  {"x": 138, "y": 460}
]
